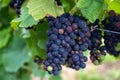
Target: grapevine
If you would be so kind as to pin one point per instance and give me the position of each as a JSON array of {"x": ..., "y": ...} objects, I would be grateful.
[{"x": 48, "y": 35}]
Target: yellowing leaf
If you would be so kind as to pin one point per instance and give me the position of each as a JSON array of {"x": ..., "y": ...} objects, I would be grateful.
[
  {"x": 15, "y": 22},
  {"x": 40, "y": 8},
  {"x": 114, "y": 5}
]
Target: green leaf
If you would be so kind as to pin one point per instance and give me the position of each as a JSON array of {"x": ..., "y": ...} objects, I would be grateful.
[
  {"x": 25, "y": 20},
  {"x": 5, "y": 17},
  {"x": 1, "y": 57},
  {"x": 15, "y": 23},
  {"x": 117, "y": 48},
  {"x": 4, "y": 37},
  {"x": 4, "y": 3},
  {"x": 55, "y": 78},
  {"x": 25, "y": 33},
  {"x": 24, "y": 75},
  {"x": 83, "y": 3},
  {"x": 40, "y": 8},
  {"x": 92, "y": 9},
  {"x": 68, "y": 4},
  {"x": 41, "y": 33},
  {"x": 41, "y": 44},
  {"x": 114, "y": 5},
  {"x": 37, "y": 41},
  {"x": 38, "y": 72},
  {"x": 5, "y": 75},
  {"x": 32, "y": 43},
  {"x": 86, "y": 52},
  {"x": 15, "y": 55}
]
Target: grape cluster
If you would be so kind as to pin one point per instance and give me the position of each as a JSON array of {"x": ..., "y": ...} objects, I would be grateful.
[
  {"x": 112, "y": 23},
  {"x": 97, "y": 56},
  {"x": 68, "y": 39},
  {"x": 58, "y": 2},
  {"x": 16, "y": 4},
  {"x": 97, "y": 52}
]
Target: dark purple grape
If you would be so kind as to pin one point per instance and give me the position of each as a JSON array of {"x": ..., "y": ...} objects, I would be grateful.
[
  {"x": 58, "y": 41},
  {"x": 55, "y": 53},
  {"x": 82, "y": 65},
  {"x": 56, "y": 60},
  {"x": 73, "y": 36},
  {"x": 58, "y": 25},
  {"x": 72, "y": 42},
  {"x": 61, "y": 37},
  {"x": 71, "y": 18},
  {"x": 74, "y": 26},
  {"x": 83, "y": 47},
  {"x": 62, "y": 19},
  {"x": 75, "y": 57},
  {"x": 61, "y": 50},
  {"x": 53, "y": 37},
  {"x": 76, "y": 47},
  {"x": 65, "y": 15},
  {"x": 67, "y": 39},
  {"x": 77, "y": 67},
  {"x": 69, "y": 29},
  {"x": 49, "y": 55},
  {"x": 55, "y": 47}
]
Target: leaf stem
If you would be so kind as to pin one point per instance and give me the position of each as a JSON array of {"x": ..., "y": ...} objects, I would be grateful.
[{"x": 73, "y": 10}]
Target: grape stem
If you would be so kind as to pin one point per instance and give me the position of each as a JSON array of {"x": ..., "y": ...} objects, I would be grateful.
[{"x": 95, "y": 27}]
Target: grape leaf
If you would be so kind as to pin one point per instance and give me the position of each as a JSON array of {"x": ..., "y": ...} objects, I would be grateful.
[
  {"x": 4, "y": 75},
  {"x": 41, "y": 33},
  {"x": 41, "y": 44},
  {"x": 5, "y": 18},
  {"x": 113, "y": 5},
  {"x": 4, "y": 3},
  {"x": 4, "y": 37},
  {"x": 15, "y": 55},
  {"x": 37, "y": 41},
  {"x": 117, "y": 48},
  {"x": 25, "y": 20},
  {"x": 15, "y": 23},
  {"x": 83, "y": 3},
  {"x": 1, "y": 57},
  {"x": 55, "y": 78},
  {"x": 24, "y": 75},
  {"x": 38, "y": 72},
  {"x": 68, "y": 4},
  {"x": 40, "y": 8},
  {"x": 92, "y": 9},
  {"x": 32, "y": 43}
]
